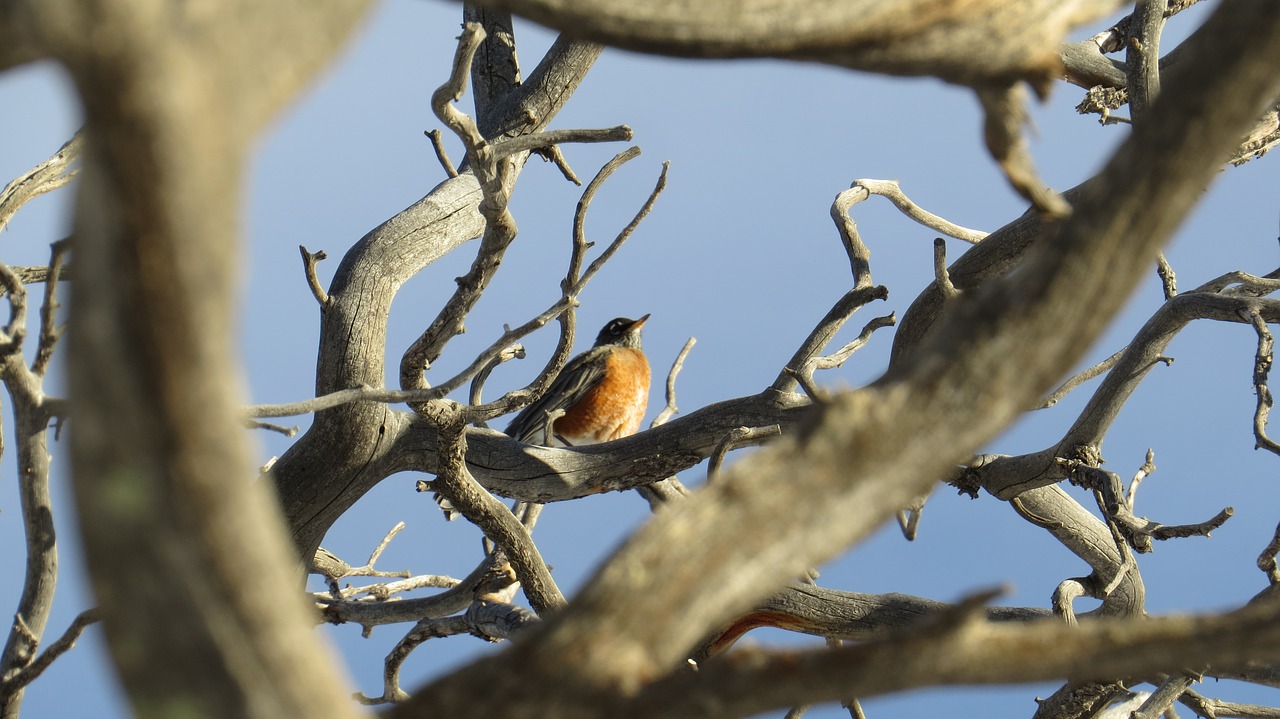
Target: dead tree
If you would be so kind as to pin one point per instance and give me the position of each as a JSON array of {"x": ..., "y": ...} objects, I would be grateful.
[{"x": 170, "y": 517}]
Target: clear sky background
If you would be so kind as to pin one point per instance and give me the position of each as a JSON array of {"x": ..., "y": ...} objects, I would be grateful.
[{"x": 740, "y": 253}]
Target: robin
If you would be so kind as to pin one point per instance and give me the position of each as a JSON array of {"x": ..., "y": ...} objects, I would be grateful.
[{"x": 602, "y": 392}]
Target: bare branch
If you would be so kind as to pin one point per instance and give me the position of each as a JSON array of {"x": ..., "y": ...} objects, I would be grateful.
[
  {"x": 909, "y": 518},
  {"x": 437, "y": 142},
  {"x": 309, "y": 261},
  {"x": 1064, "y": 597},
  {"x": 544, "y": 140},
  {"x": 13, "y": 334},
  {"x": 512, "y": 352},
  {"x": 625, "y": 233},
  {"x": 838, "y": 358},
  {"x": 859, "y": 255},
  {"x": 1261, "y": 370},
  {"x": 50, "y": 332},
  {"x": 382, "y": 591},
  {"x": 1168, "y": 279},
  {"x": 555, "y": 156},
  {"x": 1163, "y": 698},
  {"x": 48, "y": 176},
  {"x": 671, "y": 409},
  {"x": 339, "y": 398},
  {"x": 451, "y": 91},
  {"x": 455, "y": 483},
  {"x": 1242, "y": 284},
  {"x": 737, "y": 439},
  {"x": 24, "y": 676},
  {"x": 1005, "y": 111},
  {"x": 941, "y": 278},
  {"x": 424, "y": 630},
  {"x": 495, "y": 620},
  {"x": 800, "y": 368},
  {"x": 1148, "y": 467},
  {"x": 378, "y": 550},
  {"x": 1206, "y": 707},
  {"x": 892, "y": 191},
  {"x": 277, "y": 428},
  {"x": 1080, "y": 378},
  {"x": 1137, "y": 531},
  {"x": 1262, "y": 139}
]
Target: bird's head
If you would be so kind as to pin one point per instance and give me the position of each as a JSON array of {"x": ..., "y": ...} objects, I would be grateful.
[{"x": 622, "y": 331}]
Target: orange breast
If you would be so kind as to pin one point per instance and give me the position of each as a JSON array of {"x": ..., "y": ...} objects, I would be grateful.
[{"x": 615, "y": 406}]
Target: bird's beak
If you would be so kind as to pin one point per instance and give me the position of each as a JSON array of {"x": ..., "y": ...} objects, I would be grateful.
[{"x": 635, "y": 326}]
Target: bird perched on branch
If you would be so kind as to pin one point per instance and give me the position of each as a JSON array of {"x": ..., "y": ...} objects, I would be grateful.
[
  {"x": 599, "y": 396},
  {"x": 603, "y": 393}
]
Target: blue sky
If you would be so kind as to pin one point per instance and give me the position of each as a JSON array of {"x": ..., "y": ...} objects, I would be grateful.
[{"x": 740, "y": 253}]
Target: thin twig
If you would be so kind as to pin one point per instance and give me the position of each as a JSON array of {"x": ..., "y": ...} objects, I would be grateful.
[
  {"x": 1080, "y": 378},
  {"x": 382, "y": 591},
  {"x": 277, "y": 428},
  {"x": 800, "y": 368},
  {"x": 378, "y": 550},
  {"x": 32, "y": 671},
  {"x": 642, "y": 213},
  {"x": 556, "y": 157},
  {"x": 671, "y": 409},
  {"x": 662, "y": 492},
  {"x": 309, "y": 261},
  {"x": 512, "y": 352},
  {"x": 838, "y": 358},
  {"x": 437, "y": 142},
  {"x": 1148, "y": 467},
  {"x": 336, "y": 399},
  {"x": 941, "y": 278},
  {"x": 550, "y": 138}
]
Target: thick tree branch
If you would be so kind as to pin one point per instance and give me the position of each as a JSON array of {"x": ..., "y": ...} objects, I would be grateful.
[
  {"x": 904, "y": 38},
  {"x": 165, "y": 502}
]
